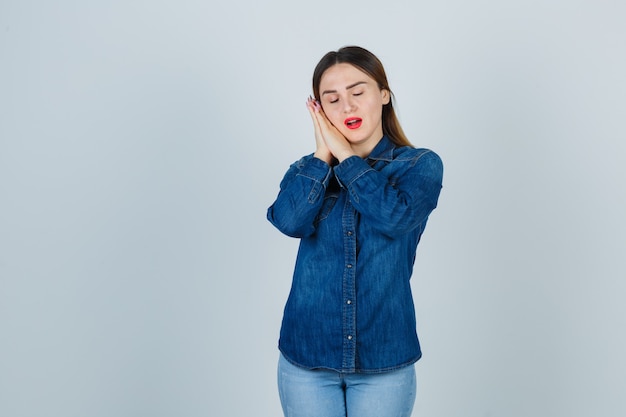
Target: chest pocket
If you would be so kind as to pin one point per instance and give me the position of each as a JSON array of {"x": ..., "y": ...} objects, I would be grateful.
[{"x": 330, "y": 199}]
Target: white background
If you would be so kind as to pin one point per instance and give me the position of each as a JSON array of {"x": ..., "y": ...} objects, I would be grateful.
[{"x": 142, "y": 141}]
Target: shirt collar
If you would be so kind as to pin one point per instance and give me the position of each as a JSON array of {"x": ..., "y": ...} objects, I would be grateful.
[{"x": 383, "y": 151}]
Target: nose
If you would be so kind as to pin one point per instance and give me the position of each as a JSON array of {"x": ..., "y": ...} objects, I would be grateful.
[{"x": 348, "y": 104}]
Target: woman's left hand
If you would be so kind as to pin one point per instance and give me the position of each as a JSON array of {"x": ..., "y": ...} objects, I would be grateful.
[{"x": 335, "y": 141}]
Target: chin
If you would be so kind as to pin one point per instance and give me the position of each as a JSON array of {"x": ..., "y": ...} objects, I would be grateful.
[
  {"x": 356, "y": 138},
  {"x": 353, "y": 136}
]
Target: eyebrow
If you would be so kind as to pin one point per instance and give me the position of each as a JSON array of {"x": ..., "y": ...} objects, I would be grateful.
[{"x": 347, "y": 88}]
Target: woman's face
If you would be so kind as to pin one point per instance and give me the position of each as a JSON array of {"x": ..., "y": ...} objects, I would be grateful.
[{"x": 353, "y": 103}]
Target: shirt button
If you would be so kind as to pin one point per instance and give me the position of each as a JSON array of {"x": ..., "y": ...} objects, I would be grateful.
[
  {"x": 349, "y": 337},
  {"x": 349, "y": 302},
  {"x": 349, "y": 266},
  {"x": 349, "y": 233}
]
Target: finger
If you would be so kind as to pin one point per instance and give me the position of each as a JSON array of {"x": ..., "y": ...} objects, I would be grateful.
[
  {"x": 326, "y": 127},
  {"x": 314, "y": 113},
  {"x": 313, "y": 110},
  {"x": 322, "y": 152}
]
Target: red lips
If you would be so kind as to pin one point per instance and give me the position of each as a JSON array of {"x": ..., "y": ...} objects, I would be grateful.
[{"x": 353, "y": 122}]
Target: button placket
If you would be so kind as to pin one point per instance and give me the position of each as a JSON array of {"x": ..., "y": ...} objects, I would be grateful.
[{"x": 349, "y": 287}]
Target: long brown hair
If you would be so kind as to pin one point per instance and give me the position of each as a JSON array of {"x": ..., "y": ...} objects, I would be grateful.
[{"x": 367, "y": 62}]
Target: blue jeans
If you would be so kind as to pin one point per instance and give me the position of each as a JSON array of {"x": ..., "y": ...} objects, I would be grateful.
[{"x": 325, "y": 393}]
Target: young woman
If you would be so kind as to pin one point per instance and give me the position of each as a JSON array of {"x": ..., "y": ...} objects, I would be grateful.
[{"x": 359, "y": 206}]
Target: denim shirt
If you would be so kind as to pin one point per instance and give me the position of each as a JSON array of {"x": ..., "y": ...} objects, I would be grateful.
[{"x": 350, "y": 307}]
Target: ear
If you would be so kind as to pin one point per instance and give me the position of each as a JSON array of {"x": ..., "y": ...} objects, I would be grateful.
[{"x": 385, "y": 95}]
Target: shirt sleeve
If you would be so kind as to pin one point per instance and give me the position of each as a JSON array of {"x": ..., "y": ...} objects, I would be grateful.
[
  {"x": 300, "y": 197},
  {"x": 397, "y": 203}
]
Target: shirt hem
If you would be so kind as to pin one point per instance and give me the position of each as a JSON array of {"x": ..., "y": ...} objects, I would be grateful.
[{"x": 352, "y": 371}]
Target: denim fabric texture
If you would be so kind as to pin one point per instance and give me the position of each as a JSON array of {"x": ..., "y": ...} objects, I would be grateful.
[
  {"x": 350, "y": 308},
  {"x": 326, "y": 393}
]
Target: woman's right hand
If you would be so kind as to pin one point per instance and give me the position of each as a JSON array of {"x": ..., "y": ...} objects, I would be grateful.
[{"x": 322, "y": 152}]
